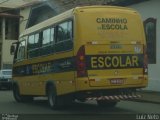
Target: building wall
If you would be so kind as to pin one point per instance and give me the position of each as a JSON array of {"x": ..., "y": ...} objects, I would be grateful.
[
  {"x": 151, "y": 9},
  {"x": 24, "y": 12},
  {"x": 7, "y": 59},
  {"x": 8, "y": 36}
]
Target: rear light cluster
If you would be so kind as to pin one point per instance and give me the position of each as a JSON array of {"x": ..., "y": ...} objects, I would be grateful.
[
  {"x": 145, "y": 68},
  {"x": 81, "y": 63}
]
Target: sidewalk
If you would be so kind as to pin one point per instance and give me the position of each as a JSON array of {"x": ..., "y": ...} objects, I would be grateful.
[{"x": 149, "y": 97}]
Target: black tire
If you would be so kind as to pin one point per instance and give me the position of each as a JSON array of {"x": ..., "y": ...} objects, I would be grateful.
[
  {"x": 20, "y": 98},
  {"x": 55, "y": 102},
  {"x": 108, "y": 104}
]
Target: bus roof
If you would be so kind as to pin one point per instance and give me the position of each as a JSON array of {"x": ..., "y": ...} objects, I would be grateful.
[{"x": 66, "y": 15}]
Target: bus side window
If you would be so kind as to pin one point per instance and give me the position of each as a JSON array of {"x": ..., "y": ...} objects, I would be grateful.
[
  {"x": 33, "y": 45},
  {"x": 64, "y": 36},
  {"x": 70, "y": 30},
  {"x": 30, "y": 42},
  {"x": 46, "y": 37},
  {"x": 21, "y": 51},
  {"x": 53, "y": 35},
  {"x": 46, "y": 42}
]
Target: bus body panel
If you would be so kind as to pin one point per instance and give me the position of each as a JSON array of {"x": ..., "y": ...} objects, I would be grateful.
[
  {"x": 36, "y": 85},
  {"x": 43, "y": 69}
]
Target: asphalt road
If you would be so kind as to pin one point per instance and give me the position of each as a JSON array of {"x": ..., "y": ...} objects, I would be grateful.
[{"x": 40, "y": 107}]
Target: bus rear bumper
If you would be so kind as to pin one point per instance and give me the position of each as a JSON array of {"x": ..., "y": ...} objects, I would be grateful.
[
  {"x": 115, "y": 97},
  {"x": 108, "y": 94}
]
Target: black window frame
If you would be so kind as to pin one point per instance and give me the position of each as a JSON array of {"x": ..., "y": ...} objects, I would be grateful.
[
  {"x": 18, "y": 47},
  {"x": 150, "y": 33},
  {"x": 63, "y": 43},
  {"x": 47, "y": 49},
  {"x": 53, "y": 47},
  {"x": 34, "y": 52}
]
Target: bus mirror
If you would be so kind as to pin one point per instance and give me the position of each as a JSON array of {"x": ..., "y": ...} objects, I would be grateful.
[{"x": 12, "y": 49}]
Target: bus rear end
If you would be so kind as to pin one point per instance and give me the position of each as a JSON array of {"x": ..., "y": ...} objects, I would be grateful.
[{"x": 111, "y": 58}]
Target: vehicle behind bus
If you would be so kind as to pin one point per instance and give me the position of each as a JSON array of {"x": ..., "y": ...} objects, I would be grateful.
[
  {"x": 104, "y": 59},
  {"x": 5, "y": 78}
]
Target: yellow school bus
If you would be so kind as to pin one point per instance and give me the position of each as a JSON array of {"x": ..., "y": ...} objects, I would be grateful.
[{"x": 86, "y": 53}]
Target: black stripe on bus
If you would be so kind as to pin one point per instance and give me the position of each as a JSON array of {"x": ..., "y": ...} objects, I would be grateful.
[
  {"x": 93, "y": 62},
  {"x": 114, "y": 61},
  {"x": 54, "y": 66}
]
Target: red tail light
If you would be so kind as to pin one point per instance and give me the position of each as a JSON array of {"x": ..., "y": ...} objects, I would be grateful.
[
  {"x": 145, "y": 68},
  {"x": 81, "y": 63}
]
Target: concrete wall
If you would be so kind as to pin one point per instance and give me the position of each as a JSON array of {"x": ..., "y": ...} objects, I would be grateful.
[
  {"x": 25, "y": 12},
  {"x": 151, "y": 9},
  {"x": 7, "y": 58}
]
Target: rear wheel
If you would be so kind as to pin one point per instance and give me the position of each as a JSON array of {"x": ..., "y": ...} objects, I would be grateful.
[
  {"x": 104, "y": 103},
  {"x": 20, "y": 98},
  {"x": 55, "y": 102}
]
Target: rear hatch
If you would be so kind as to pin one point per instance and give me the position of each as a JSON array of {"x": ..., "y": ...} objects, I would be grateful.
[
  {"x": 114, "y": 45},
  {"x": 115, "y": 64}
]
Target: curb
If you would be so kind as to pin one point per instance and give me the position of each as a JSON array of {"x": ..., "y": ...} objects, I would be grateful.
[
  {"x": 146, "y": 101},
  {"x": 148, "y": 97}
]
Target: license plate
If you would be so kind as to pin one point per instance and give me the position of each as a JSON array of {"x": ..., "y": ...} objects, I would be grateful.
[{"x": 117, "y": 81}]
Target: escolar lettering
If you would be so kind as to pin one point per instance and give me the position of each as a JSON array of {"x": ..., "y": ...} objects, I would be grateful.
[
  {"x": 114, "y": 62},
  {"x": 114, "y": 26},
  {"x": 41, "y": 68}
]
